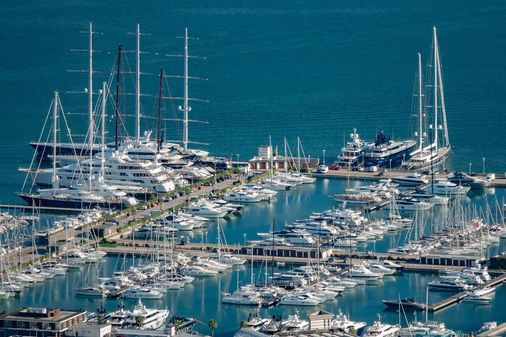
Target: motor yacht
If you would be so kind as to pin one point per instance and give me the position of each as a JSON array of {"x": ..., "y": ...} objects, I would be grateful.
[
  {"x": 243, "y": 197},
  {"x": 378, "y": 329},
  {"x": 205, "y": 210},
  {"x": 352, "y": 154},
  {"x": 241, "y": 297},
  {"x": 410, "y": 180},
  {"x": 301, "y": 299},
  {"x": 475, "y": 183},
  {"x": 294, "y": 323},
  {"x": 406, "y": 303},
  {"x": 142, "y": 293},
  {"x": 445, "y": 187},
  {"x": 343, "y": 323},
  {"x": 152, "y": 319},
  {"x": 448, "y": 285}
]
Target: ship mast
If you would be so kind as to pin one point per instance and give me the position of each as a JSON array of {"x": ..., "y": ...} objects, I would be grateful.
[
  {"x": 138, "y": 85},
  {"x": 104, "y": 101},
  {"x": 54, "y": 178},
  {"x": 420, "y": 108},
  {"x": 441, "y": 92},
  {"x": 90, "y": 102},
  {"x": 118, "y": 88},
  {"x": 436, "y": 56},
  {"x": 160, "y": 103},
  {"x": 186, "y": 107}
]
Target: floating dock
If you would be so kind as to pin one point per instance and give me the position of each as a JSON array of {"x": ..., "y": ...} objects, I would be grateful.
[{"x": 460, "y": 296}]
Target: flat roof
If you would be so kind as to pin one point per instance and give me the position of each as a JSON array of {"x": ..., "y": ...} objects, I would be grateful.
[{"x": 24, "y": 314}]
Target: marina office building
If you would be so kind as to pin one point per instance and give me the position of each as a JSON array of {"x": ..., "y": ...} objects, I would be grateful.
[{"x": 42, "y": 322}]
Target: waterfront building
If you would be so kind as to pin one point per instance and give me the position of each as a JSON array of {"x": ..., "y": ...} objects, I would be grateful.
[
  {"x": 40, "y": 322},
  {"x": 89, "y": 329}
]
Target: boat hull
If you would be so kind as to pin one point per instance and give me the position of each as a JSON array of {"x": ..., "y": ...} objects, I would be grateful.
[{"x": 44, "y": 202}]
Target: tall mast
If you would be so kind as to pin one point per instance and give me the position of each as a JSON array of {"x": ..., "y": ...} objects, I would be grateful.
[
  {"x": 286, "y": 162},
  {"x": 435, "y": 87},
  {"x": 118, "y": 88},
  {"x": 443, "y": 107},
  {"x": 138, "y": 85},
  {"x": 160, "y": 102},
  {"x": 186, "y": 108},
  {"x": 298, "y": 154},
  {"x": 104, "y": 101},
  {"x": 420, "y": 108},
  {"x": 90, "y": 101},
  {"x": 54, "y": 178},
  {"x": 272, "y": 157}
]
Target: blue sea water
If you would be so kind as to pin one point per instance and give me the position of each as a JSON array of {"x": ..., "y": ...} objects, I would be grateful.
[{"x": 313, "y": 69}]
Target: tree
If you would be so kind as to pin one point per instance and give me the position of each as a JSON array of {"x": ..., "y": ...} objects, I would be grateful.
[
  {"x": 213, "y": 325},
  {"x": 139, "y": 321},
  {"x": 101, "y": 318},
  {"x": 243, "y": 324},
  {"x": 177, "y": 324}
]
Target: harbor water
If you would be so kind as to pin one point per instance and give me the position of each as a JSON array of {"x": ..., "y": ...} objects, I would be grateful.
[
  {"x": 293, "y": 68},
  {"x": 202, "y": 299}
]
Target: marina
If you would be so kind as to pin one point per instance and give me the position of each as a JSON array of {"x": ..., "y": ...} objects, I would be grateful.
[{"x": 189, "y": 179}]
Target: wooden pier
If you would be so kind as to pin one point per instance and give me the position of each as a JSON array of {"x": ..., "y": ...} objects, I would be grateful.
[{"x": 495, "y": 282}]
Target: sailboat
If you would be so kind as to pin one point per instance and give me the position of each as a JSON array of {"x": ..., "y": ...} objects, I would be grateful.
[
  {"x": 80, "y": 197},
  {"x": 430, "y": 151}
]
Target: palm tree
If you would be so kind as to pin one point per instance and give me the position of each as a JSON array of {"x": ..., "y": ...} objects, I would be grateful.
[
  {"x": 101, "y": 318},
  {"x": 213, "y": 325},
  {"x": 139, "y": 320},
  {"x": 243, "y": 324},
  {"x": 177, "y": 324}
]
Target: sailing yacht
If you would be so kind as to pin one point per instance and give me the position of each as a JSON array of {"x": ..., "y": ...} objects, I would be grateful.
[
  {"x": 430, "y": 152},
  {"x": 83, "y": 197}
]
